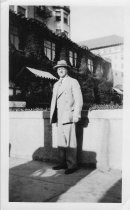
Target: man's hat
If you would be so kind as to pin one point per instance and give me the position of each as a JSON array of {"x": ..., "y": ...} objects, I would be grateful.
[{"x": 61, "y": 63}]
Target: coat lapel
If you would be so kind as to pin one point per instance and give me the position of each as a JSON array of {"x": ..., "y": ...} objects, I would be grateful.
[{"x": 61, "y": 88}]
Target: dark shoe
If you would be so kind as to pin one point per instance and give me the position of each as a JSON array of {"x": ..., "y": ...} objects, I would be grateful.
[
  {"x": 71, "y": 170},
  {"x": 58, "y": 167}
]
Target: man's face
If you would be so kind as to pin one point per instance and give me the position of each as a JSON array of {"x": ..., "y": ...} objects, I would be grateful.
[{"x": 62, "y": 72}]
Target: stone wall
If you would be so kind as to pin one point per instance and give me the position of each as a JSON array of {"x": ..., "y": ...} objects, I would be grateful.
[{"x": 99, "y": 137}]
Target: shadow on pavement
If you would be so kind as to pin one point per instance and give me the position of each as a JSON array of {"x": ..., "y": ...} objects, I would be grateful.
[
  {"x": 114, "y": 194},
  {"x": 35, "y": 181},
  {"x": 50, "y": 153}
]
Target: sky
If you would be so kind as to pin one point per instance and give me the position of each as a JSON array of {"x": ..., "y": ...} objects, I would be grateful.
[{"x": 89, "y": 22}]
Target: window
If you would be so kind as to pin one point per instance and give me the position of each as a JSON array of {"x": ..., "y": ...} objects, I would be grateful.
[
  {"x": 21, "y": 11},
  {"x": 53, "y": 51},
  {"x": 90, "y": 65},
  {"x": 11, "y": 92},
  {"x": 58, "y": 31},
  {"x": 58, "y": 16},
  {"x": 14, "y": 37},
  {"x": 49, "y": 50},
  {"x": 66, "y": 18},
  {"x": 14, "y": 90},
  {"x": 73, "y": 58}
]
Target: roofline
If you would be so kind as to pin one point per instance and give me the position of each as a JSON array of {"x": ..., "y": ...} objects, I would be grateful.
[
  {"x": 66, "y": 8},
  {"x": 51, "y": 32},
  {"x": 106, "y": 46},
  {"x": 58, "y": 36}
]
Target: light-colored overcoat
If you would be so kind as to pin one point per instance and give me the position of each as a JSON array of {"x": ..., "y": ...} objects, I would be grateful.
[{"x": 66, "y": 105}]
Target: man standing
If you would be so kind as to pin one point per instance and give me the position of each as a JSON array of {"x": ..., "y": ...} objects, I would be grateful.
[{"x": 66, "y": 106}]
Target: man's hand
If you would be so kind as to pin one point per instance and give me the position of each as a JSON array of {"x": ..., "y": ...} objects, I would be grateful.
[{"x": 75, "y": 119}]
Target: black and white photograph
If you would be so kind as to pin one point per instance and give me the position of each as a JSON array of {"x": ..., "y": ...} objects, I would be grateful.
[{"x": 65, "y": 103}]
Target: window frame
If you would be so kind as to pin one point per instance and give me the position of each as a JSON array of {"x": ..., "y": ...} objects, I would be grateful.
[
  {"x": 58, "y": 16},
  {"x": 13, "y": 37},
  {"x": 66, "y": 18},
  {"x": 73, "y": 58},
  {"x": 51, "y": 48},
  {"x": 90, "y": 64}
]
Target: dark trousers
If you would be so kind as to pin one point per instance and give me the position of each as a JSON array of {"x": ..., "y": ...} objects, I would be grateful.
[{"x": 68, "y": 156}]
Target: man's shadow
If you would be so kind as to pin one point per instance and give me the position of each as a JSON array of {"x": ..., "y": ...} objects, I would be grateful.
[
  {"x": 49, "y": 153},
  {"x": 82, "y": 155}
]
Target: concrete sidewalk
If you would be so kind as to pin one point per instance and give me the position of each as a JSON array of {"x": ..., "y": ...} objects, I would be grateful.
[{"x": 32, "y": 181}]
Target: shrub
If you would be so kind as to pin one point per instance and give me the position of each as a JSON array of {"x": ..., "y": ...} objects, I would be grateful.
[
  {"x": 18, "y": 109},
  {"x": 92, "y": 107},
  {"x": 105, "y": 106}
]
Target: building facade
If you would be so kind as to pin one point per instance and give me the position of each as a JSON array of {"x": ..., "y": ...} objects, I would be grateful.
[
  {"x": 110, "y": 48},
  {"x": 32, "y": 44},
  {"x": 57, "y": 17}
]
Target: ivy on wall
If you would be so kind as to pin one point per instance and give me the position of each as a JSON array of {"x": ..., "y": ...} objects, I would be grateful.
[{"x": 96, "y": 86}]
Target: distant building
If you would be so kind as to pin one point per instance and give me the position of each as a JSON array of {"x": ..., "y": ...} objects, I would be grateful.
[
  {"x": 58, "y": 22},
  {"x": 111, "y": 49}
]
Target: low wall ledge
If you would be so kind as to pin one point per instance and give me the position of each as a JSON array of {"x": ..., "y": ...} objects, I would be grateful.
[
  {"x": 94, "y": 114},
  {"x": 106, "y": 114},
  {"x": 29, "y": 114}
]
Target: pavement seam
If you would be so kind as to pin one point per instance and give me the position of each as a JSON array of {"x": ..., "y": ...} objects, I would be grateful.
[
  {"x": 39, "y": 179},
  {"x": 34, "y": 178},
  {"x": 47, "y": 200}
]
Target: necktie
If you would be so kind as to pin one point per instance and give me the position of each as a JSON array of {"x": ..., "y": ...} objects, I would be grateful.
[{"x": 60, "y": 83}]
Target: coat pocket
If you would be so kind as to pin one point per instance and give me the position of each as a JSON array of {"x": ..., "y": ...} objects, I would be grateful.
[{"x": 67, "y": 117}]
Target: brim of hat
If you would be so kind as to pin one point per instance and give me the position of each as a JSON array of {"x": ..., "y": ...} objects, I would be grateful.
[{"x": 57, "y": 66}]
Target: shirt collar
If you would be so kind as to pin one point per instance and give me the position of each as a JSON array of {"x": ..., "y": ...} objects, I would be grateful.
[{"x": 63, "y": 79}]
